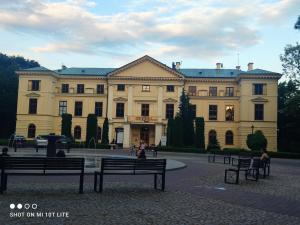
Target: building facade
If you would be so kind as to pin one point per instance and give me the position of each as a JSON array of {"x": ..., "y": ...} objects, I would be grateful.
[{"x": 139, "y": 97}]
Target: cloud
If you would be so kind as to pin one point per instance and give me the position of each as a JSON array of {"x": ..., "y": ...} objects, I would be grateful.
[{"x": 159, "y": 27}]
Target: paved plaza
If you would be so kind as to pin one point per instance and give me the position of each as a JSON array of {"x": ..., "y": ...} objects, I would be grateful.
[{"x": 195, "y": 194}]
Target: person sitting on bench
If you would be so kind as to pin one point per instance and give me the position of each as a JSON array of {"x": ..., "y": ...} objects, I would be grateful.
[
  {"x": 264, "y": 155},
  {"x": 141, "y": 154}
]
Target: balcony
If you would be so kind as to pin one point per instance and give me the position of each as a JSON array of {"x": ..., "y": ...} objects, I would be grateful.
[
  {"x": 220, "y": 94},
  {"x": 143, "y": 119}
]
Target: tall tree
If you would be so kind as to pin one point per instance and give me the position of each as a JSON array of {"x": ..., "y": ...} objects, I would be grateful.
[
  {"x": 105, "y": 131},
  {"x": 291, "y": 61},
  {"x": 178, "y": 132},
  {"x": 170, "y": 130},
  {"x": 9, "y": 90},
  {"x": 91, "y": 129},
  {"x": 199, "y": 136},
  {"x": 185, "y": 113}
]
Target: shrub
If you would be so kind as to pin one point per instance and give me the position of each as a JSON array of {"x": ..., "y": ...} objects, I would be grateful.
[
  {"x": 66, "y": 125},
  {"x": 104, "y": 139},
  {"x": 257, "y": 141},
  {"x": 91, "y": 129},
  {"x": 213, "y": 145}
]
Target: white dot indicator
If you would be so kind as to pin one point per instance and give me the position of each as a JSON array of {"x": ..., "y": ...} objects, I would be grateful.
[
  {"x": 34, "y": 206},
  {"x": 26, "y": 206},
  {"x": 12, "y": 206},
  {"x": 19, "y": 206}
]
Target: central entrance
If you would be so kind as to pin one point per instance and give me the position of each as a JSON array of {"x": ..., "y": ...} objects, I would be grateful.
[{"x": 144, "y": 134}]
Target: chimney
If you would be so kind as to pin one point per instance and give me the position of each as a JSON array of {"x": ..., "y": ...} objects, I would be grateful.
[
  {"x": 63, "y": 67},
  {"x": 238, "y": 67},
  {"x": 173, "y": 66},
  {"x": 219, "y": 65},
  {"x": 178, "y": 65},
  {"x": 250, "y": 66}
]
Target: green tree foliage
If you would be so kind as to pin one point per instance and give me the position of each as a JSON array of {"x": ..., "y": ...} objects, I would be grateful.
[
  {"x": 66, "y": 125},
  {"x": 9, "y": 90},
  {"x": 297, "y": 24},
  {"x": 213, "y": 145},
  {"x": 185, "y": 113},
  {"x": 199, "y": 136},
  {"x": 291, "y": 61},
  {"x": 256, "y": 141},
  {"x": 104, "y": 139},
  {"x": 170, "y": 130},
  {"x": 91, "y": 129}
]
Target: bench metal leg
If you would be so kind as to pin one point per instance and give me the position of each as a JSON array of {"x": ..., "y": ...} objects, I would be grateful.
[
  {"x": 95, "y": 181},
  {"x": 101, "y": 183},
  {"x": 81, "y": 184},
  {"x": 163, "y": 177},
  {"x": 155, "y": 181}
]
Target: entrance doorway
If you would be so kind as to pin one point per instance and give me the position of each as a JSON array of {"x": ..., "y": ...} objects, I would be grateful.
[{"x": 144, "y": 134}]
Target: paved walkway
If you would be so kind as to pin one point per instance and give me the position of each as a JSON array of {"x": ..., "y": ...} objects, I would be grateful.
[{"x": 194, "y": 195}]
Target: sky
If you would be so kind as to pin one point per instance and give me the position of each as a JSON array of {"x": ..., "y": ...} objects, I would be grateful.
[{"x": 102, "y": 33}]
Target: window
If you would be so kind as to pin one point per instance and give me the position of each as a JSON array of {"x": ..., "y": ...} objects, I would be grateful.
[
  {"x": 31, "y": 131},
  {"x": 62, "y": 107},
  {"x": 121, "y": 87},
  {"x": 229, "y": 113},
  {"x": 32, "y": 106},
  {"x": 259, "y": 89},
  {"x": 213, "y": 91},
  {"x": 100, "y": 88},
  {"x": 34, "y": 85},
  {"x": 169, "y": 111},
  {"x": 229, "y": 92},
  {"x": 170, "y": 88},
  {"x": 259, "y": 112},
  {"x": 99, "y": 133},
  {"x": 229, "y": 137},
  {"x": 212, "y": 136},
  {"x": 77, "y": 132},
  {"x": 78, "y": 109},
  {"x": 213, "y": 112},
  {"x": 146, "y": 88},
  {"x": 120, "y": 110},
  {"x": 98, "y": 108},
  {"x": 194, "y": 111},
  {"x": 145, "y": 110},
  {"x": 192, "y": 90},
  {"x": 80, "y": 88},
  {"x": 65, "y": 88}
]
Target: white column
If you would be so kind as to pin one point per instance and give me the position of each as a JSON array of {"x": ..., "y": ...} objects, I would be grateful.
[
  {"x": 158, "y": 133},
  {"x": 160, "y": 104},
  {"x": 110, "y": 102},
  {"x": 127, "y": 136},
  {"x": 130, "y": 100}
]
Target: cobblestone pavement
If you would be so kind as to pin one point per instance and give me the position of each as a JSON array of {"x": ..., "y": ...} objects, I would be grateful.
[{"x": 194, "y": 195}]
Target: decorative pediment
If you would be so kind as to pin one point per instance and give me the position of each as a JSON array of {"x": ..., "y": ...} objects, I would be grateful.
[
  {"x": 120, "y": 99},
  {"x": 33, "y": 95},
  {"x": 259, "y": 99},
  {"x": 170, "y": 100},
  {"x": 146, "y": 67}
]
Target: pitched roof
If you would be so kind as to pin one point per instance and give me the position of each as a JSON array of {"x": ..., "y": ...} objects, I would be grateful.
[
  {"x": 204, "y": 73},
  {"x": 38, "y": 68},
  {"x": 258, "y": 72},
  {"x": 84, "y": 71}
]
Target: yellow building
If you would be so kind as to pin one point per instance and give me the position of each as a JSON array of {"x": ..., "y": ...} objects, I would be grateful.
[{"x": 140, "y": 96}]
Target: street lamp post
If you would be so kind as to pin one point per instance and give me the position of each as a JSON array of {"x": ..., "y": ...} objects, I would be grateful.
[{"x": 252, "y": 128}]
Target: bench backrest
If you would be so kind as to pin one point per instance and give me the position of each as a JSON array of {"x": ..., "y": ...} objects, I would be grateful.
[
  {"x": 133, "y": 164},
  {"x": 244, "y": 163},
  {"x": 41, "y": 163}
]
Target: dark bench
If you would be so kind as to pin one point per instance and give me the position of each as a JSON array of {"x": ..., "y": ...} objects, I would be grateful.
[
  {"x": 241, "y": 155},
  {"x": 123, "y": 166},
  {"x": 225, "y": 156},
  {"x": 249, "y": 166},
  {"x": 45, "y": 166}
]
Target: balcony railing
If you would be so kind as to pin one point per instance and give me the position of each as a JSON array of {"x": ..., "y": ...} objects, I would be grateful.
[
  {"x": 144, "y": 119},
  {"x": 203, "y": 93}
]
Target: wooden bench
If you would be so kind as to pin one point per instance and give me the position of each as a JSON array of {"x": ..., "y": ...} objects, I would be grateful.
[
  {"x": 45, "y": 166},
  {"x": 249, "y": 166},
  {"x": 124, "y": 166}
]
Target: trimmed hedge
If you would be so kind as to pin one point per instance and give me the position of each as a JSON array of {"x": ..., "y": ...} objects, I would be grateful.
[
  {"x": 179, "y": 149},
  {"x": 4, "y": 142},
  {"x": 82, "y": 145}
]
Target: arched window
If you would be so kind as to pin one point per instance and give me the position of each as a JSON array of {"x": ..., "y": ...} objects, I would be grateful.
[
  {"x": 99, "y": 133},
  {"x": 77, "y": 132},
  {"x": 229, "y": 137},
  {"x": 31, "y": 131},
  {"x": 212, "y": 136}
]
